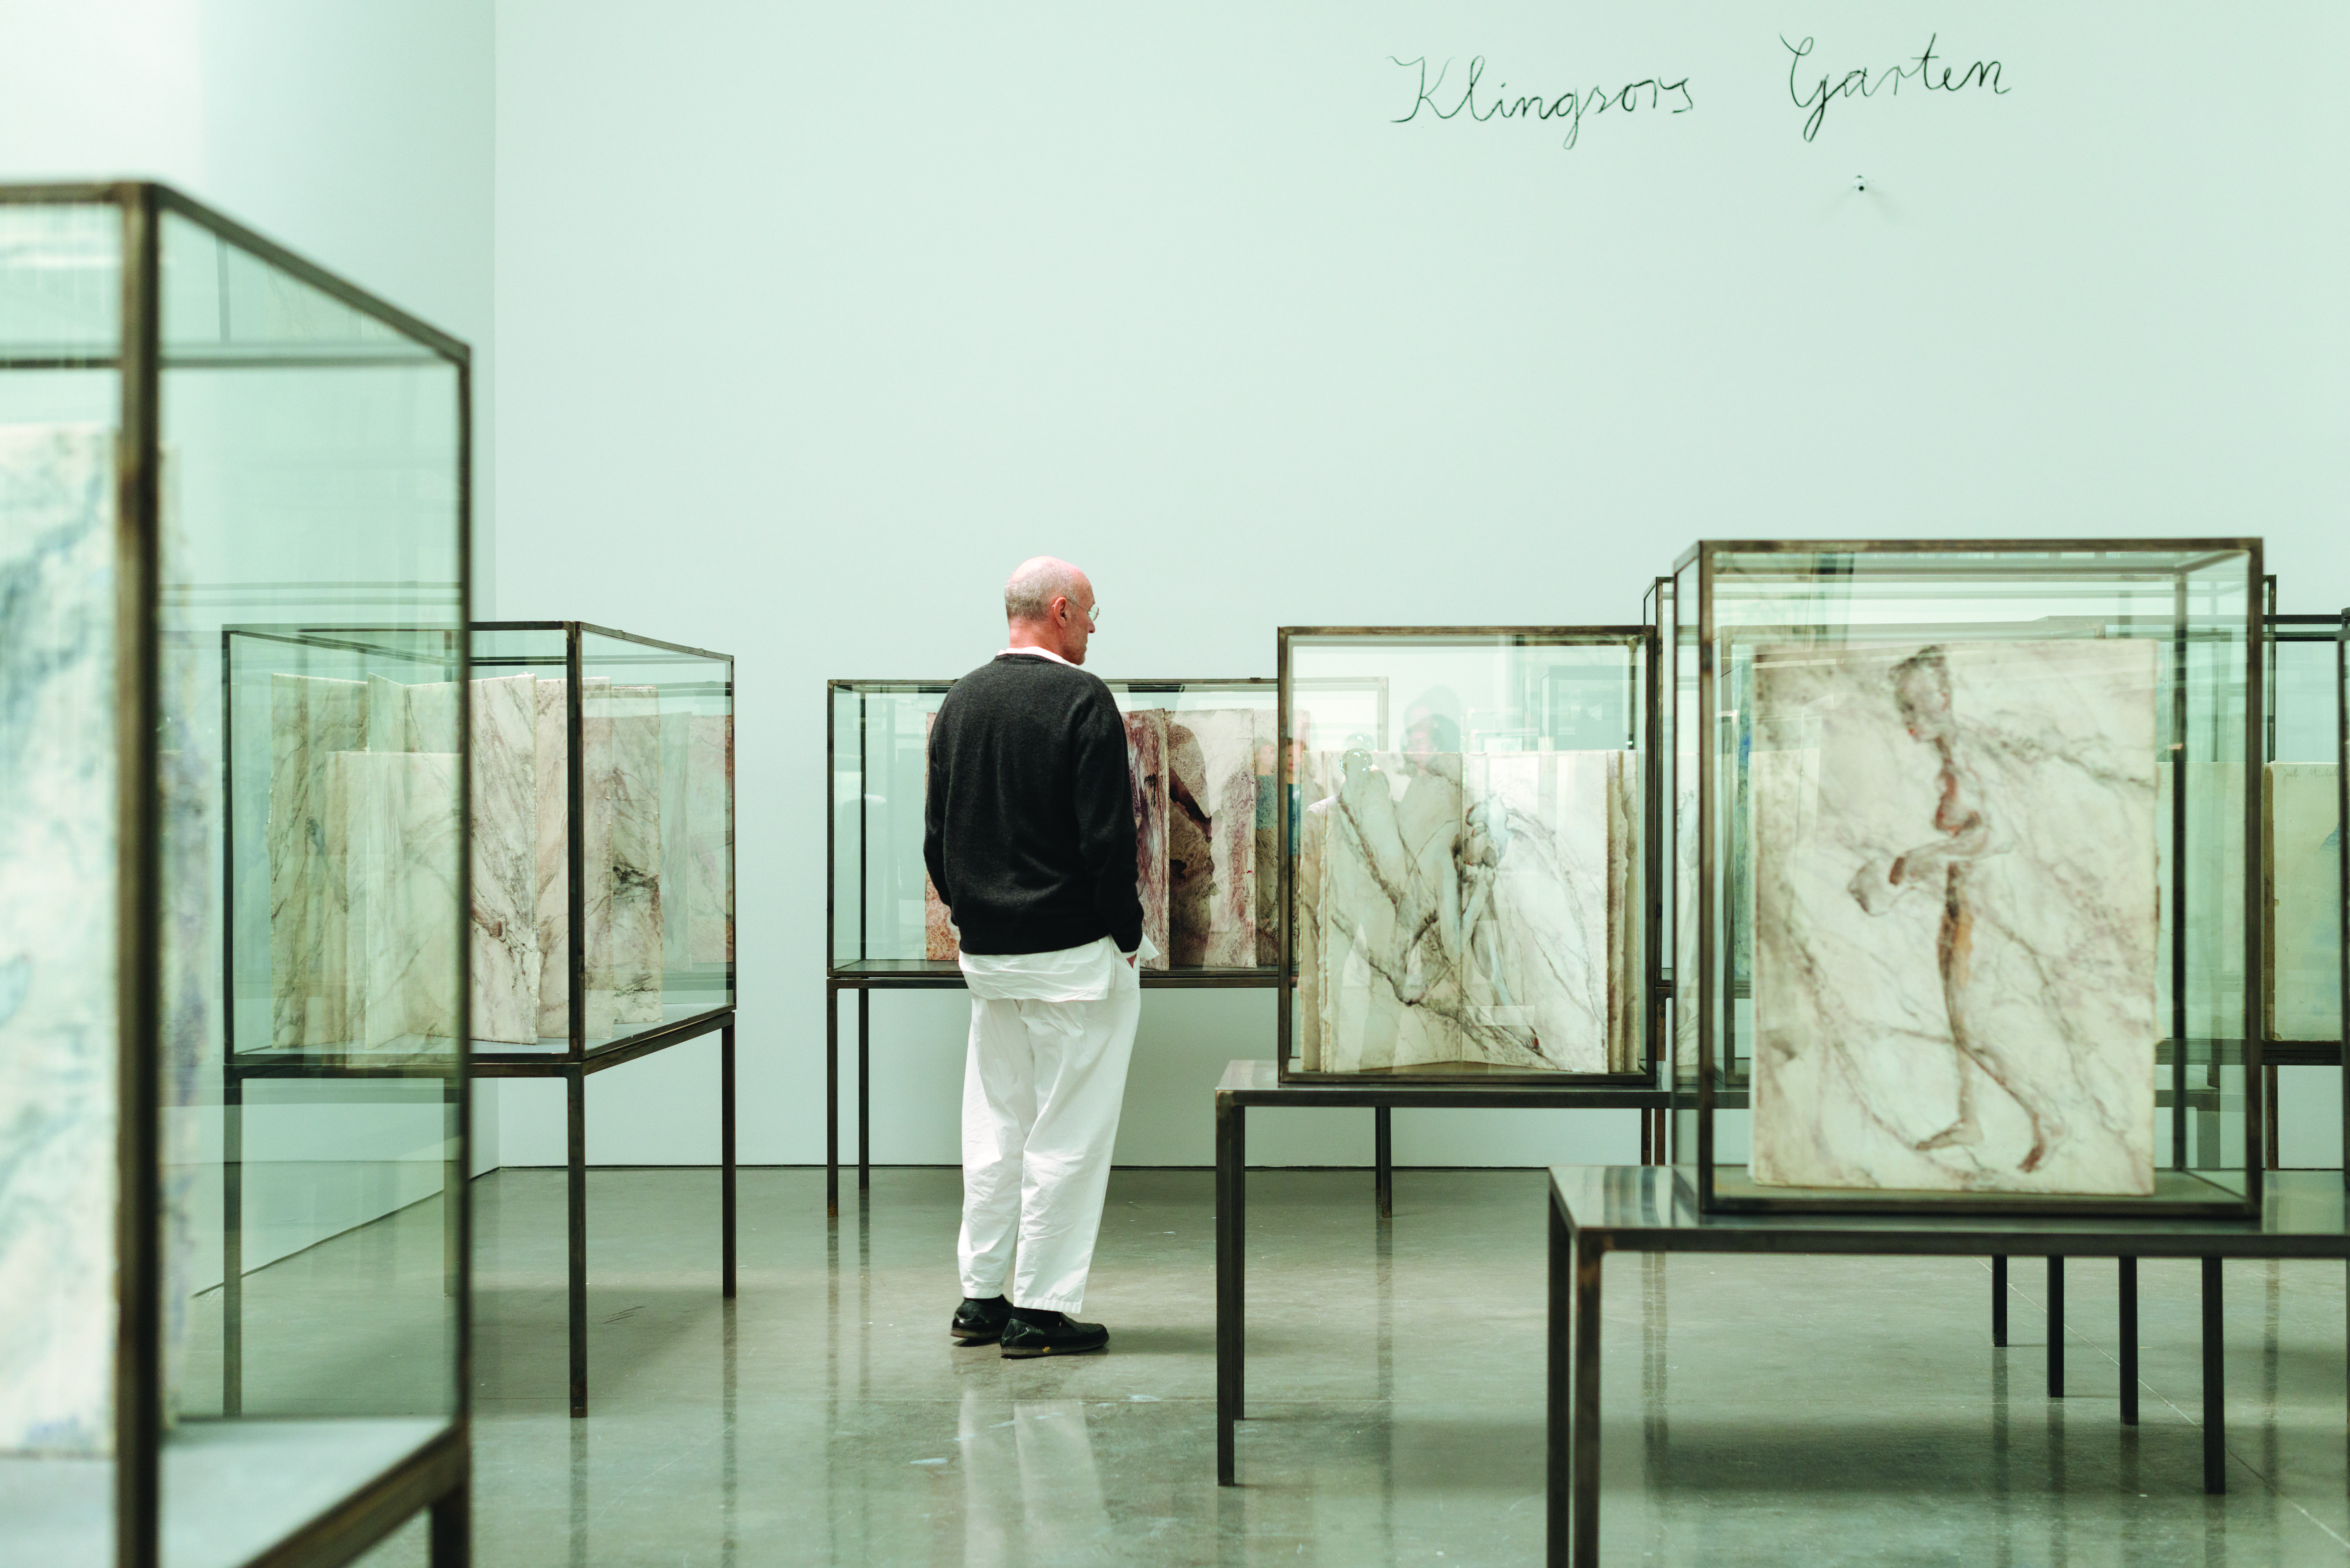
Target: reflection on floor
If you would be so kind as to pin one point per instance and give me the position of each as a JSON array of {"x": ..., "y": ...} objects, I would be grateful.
[{"x": 1760, "y": 1410}]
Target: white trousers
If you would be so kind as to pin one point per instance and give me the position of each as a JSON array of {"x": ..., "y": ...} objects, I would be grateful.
[{"x": 1041, "y": 1092}]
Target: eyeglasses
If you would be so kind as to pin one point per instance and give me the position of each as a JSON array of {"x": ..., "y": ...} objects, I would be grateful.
[{"x": 1093, "y": 616}]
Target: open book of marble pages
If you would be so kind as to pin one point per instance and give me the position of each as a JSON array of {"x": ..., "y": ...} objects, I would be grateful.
[
  {"x": 1469, "y": 912},
  {"x": 2302, "y": 811},
  {"x": 362, "y": 819},
  {"x": 1202, "y": 796},
  {"x": 1955, "y": 921}
]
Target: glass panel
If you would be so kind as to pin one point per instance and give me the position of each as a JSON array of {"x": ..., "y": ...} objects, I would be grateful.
[
  {"x": 1466, "y": 865},
  {"x": 1201, "y": 752},
  {"x": 884, "y": 910},
  {"x": 312, "y": 627},
  {"x": 2302, "y": 837},
  {"x": 1690, "y": 1128},
  {"x": 1961, "y": 799},
  {"x": 658, "y": 754},
  {"x": 59, "y": 280}
]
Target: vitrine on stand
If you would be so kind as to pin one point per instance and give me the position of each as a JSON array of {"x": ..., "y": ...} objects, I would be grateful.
[{"x": 198, "y": 428}]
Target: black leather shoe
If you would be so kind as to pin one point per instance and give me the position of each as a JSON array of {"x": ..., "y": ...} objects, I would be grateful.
[
  {"x": 979, "y": 1321},
  {"x": 1035, "y": 1331}
]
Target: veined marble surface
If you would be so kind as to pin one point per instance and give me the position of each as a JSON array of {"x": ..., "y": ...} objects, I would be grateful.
[
  {"x": 58, "y": 859},
  {"x": 2303, "y": 850},
  {"x": 188, "y": 765},
  {"x": 553, "y": 782},
  {"x": 1146, "y": 766},
  {"x": 1211, "y": 837},
  {"x": 1267, "y": 858},
  {"x": 1461, "y": 912},
  {"x": 1954, "y": 977},
  {"x": 506, "y": 978},
  {"x": 633, "y": 965},
  {"x": 708, "y": 838},
  {"x": 310, "y": 720},
  {"x": 940, "y": 938},
  {"x": 397, "y": 816}
]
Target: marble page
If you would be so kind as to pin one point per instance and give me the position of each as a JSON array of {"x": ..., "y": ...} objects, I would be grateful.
[
  {"x": 1462, "y": 912},
  {"x": 553, "y": 785},
  {"x": 506, "y": 978},
  {"x": 396, "y": 813},
  {"x": 1954, "y": 978},
  {"x": 634, "y": 972},
  {"x": 57, "y": 859},
  {"x": 709, "y": 836},
  {"x": 1211, "y": 837},
  {"x": 1146, "y": 766},
  {"x": 310, "y": 720},
  {"x": 1267, "y": 858},
  {"x": 1682, "y": 931},
  {"x": 189, "y": 779},
  {"x": 1317, "y": 799},
  {"x": 2302, "y": 847},
  {"x": 1627, "y": 911},
  {"x": 940, "y": 938}
]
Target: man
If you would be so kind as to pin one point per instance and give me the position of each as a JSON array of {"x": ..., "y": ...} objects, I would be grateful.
[{"x": 1029, "y": 838}]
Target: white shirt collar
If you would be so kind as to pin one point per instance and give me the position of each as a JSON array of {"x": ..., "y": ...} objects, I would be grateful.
[{"x": 1039, "y": 652}]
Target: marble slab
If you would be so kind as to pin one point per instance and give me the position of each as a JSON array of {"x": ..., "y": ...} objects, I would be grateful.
[
  {"x": 1462, "y": 912},
  {"x": 2302, "y": 847},
  {"x": 1145, "y": 767},
  {"x": 310, "y": 720},
  {"x": 552, "y": 781},
  {"x": 506, "y": 955},
  {"x": 709, "y": 833},
  {"x": 397, "y": 816},
  {"x": 1954, "y": 969},
  {"x": 1267, "y": 860},
  {"x": 57, "y": 1021},
  {"x": 189, "y": 782},
  {"x": 632, "y": 971},
  {"x": 1306, "y": 920},
  {"x": 1211, "y": 837},
  {"x": 941, "y": 940}
]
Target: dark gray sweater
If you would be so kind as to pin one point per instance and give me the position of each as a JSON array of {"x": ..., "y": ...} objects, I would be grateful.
[{"x": 1028, "y": 830}]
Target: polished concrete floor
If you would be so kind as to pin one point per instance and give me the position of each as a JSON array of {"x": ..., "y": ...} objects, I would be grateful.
[{"x": 1759, "y": 1410}]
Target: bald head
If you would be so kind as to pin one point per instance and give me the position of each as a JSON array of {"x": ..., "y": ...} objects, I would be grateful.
[
  {"x": 1049, "y": 604},
  {"x": 1035, "y": 583}
]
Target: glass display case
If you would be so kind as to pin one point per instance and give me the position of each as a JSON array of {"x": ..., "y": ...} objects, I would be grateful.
[
  {"x": 1465, "y": 860},
  {"x": 2301, "y": 840},
  {"x": 199, "y": 430},
  {"x": 1963, "y": 836},
  {"x": 1200, "y": 754}
]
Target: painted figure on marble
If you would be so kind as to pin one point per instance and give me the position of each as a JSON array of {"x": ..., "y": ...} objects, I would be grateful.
[
  {"x": 1146, "y": 763},
  {"x": 1955, "y": 921},
  {"x": 1211, "y": 837}
]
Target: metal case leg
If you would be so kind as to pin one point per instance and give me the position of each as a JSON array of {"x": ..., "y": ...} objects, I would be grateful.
[
  {"x": 864, "y": 1089},
  {"x": 831, "y": 1100},
  {"x": 2130, "y": 1341},
  {"x": 1383, "y": 1159},
  {"x": 1559, "y": 1475},
  {"x": 1584, "y": 1430},
  {"x": 2055, "y": 1328},
  {"x": 575, "y": 1083},
  {"x": 726, "y": 1160},
  {"x": 1999, "y": 1302},
  {"x": 232, "y": 1244},
  {"x": 451, "y": 1527},
  {"x": 2215, "y": 1410},
  {"x": 1232, "y": 1167}
]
